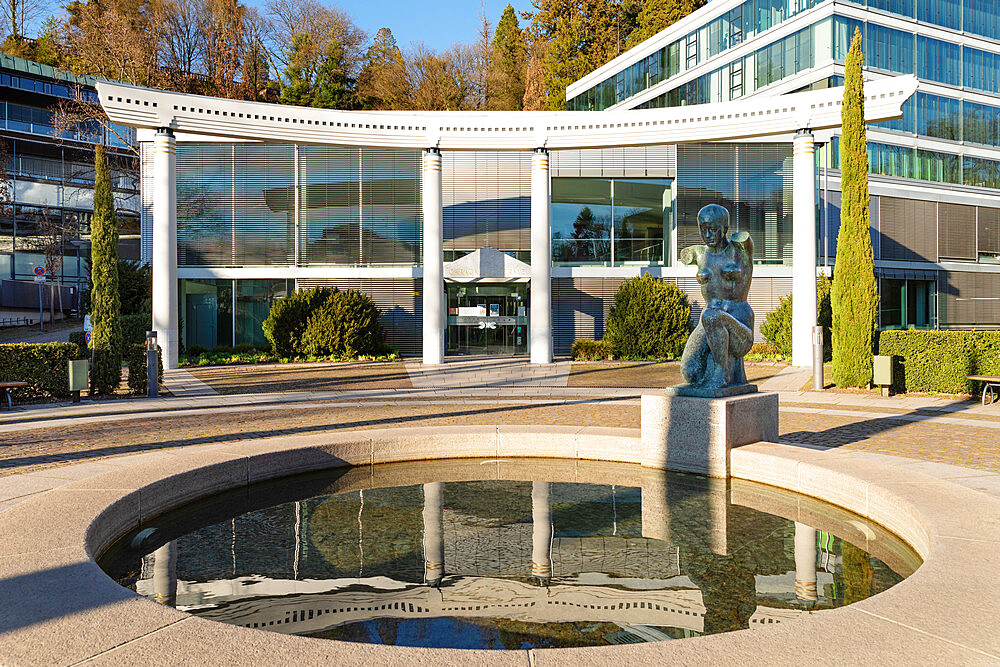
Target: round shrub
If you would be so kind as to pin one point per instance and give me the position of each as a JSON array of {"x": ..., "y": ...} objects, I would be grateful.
[
  {"x": 777, "y": 325},
  {"x": 345, "y": 325},
  {"x": 650, "y": 318},
  {"x": 287, "y": 320}
]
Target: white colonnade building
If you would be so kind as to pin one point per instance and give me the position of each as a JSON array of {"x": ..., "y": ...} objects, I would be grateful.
[{"x": 494, "y": 232}]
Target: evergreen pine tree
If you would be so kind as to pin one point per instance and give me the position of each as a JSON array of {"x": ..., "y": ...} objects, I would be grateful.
[
  {"x": 105, "y": 307},
  {"x": 508, "y": 64},
  {"x": 854, "y": 298},
  {"x": 333, "y": 87},
  {"x": 657, "y": 15},
  {"x": 298, "y": 87},
  {"x": 383, "y": 82}
]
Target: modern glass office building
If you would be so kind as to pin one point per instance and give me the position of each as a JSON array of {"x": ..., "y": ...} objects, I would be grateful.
[
  {"x": 50, "y": 172},
  {"x": 488, "y": 233},
  {"x": 935, "y": 172}
]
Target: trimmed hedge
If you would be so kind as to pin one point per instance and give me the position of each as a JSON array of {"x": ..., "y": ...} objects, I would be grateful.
[
  {"x": 135, "y": 357},
  {"x": 650, "y": 319},
  {"x": 939, "y": 361},
  {"x": 42, "y": 365},
  {"x": 585, "y": 349}
]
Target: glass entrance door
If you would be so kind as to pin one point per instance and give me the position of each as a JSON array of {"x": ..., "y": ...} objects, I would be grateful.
[{"x": 487, "y": 318}]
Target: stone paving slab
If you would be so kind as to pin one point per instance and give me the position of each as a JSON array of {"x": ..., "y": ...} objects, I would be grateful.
[{"x": 183, "y": 384}]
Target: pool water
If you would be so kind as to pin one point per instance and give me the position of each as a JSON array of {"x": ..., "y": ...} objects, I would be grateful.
[{"x": 507, "y": 555}]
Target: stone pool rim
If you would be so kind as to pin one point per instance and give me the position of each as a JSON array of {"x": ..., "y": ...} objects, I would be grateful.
[{"x": 72, "y": 611}]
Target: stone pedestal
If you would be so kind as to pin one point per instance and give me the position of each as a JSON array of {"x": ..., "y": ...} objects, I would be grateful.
[{"x": 694, "y": 434}]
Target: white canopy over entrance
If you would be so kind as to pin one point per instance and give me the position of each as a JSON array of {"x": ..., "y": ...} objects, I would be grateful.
[{"x": 487, "y": 265}]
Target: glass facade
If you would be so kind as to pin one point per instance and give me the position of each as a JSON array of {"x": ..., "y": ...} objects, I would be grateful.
[
  {"x": 907, "y": 304},
  {"x": 228, "y": 312},
  {"x": 925, "y": 165},
  {"x": 487, "y": 318},
  {"x": 753, "y": 181},
  {"x": 611, "y": 221},
  {"x": 237, "y": 205},
  {"x": 732, "y": 28}
]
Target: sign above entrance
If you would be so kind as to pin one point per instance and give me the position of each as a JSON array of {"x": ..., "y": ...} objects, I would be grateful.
[{"x": 487, "y": 265}]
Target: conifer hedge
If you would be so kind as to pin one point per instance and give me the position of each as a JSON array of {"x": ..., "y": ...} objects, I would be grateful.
[
  {"x": 42, "y": 365},
  {"x": 854, "y": 297},
  {"x": 940, "y": 361}
]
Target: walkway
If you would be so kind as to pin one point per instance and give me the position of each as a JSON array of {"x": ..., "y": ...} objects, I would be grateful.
[{"x": 360, "y": 396}]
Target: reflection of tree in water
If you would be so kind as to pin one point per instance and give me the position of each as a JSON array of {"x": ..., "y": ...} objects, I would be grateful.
[
  {"x": 857, "y": 569},
  {"x": 728, "y": 590}
]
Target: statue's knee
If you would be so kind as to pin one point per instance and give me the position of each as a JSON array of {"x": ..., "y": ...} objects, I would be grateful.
[{"x": 710, "y": 317}]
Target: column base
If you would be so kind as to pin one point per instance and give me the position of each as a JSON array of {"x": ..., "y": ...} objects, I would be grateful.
[{"x": 695, "y": 434}]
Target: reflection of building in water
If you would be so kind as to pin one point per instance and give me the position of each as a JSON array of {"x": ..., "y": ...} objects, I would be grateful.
[{"x": 296, "y": 567}]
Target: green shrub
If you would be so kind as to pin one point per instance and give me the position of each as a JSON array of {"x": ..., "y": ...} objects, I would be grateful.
[
  {"x": 650, "y": 318},
  {"x": 287, "y": 320},
  {"x": 135, "y": 357},
  {"x": 134, "y": 328},
  {"x": 42, "y": 365},
  {"x": 777, "y": 325},
  {"x": 585, "y": 349},
  {"x": 939, "y": 361},
  {"x": 79, "y": 339},
  {"x": 766, "y": 352},
  {"x": 344, "y": 325}
]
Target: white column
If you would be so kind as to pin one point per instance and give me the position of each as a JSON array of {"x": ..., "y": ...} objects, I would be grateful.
[
  {"x": 165, "y": 304},
  {"x": 805, "y": 562},
  {"x": 541, "y": 530},
  {"x": 165, "y": 574},
  {"x": 803, "y": 248},
  {"x": 541, "y": 260},
  {"x": 433, "y": 534},
  {"x": 433, "y": 260}
]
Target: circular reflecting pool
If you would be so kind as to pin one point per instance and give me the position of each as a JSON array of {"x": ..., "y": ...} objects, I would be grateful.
[{"x": 507, "y": 555}]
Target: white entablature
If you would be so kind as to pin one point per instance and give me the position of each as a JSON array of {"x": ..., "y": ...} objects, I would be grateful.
[{"x": 496, "y": 130}]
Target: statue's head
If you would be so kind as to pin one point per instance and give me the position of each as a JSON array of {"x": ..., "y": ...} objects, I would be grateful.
[{"x": 713, "y": 222}]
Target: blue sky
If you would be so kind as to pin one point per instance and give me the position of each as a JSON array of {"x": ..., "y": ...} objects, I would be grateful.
[{"x": 436, "y": 23}]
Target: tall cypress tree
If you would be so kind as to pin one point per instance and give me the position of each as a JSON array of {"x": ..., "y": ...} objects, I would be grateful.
[
  {"x": 105, "y": 307},
  {"x": 854, "y": 297}
]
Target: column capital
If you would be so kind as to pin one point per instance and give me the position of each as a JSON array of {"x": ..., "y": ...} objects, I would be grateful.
[
  {"x": 541, "y": 149},
  {"x": 169, "y": 131},
  {"x": 434, "y": 150},
  {"x": 804, "y": 133}
]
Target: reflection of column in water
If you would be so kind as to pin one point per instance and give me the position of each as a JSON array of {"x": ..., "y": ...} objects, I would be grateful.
[
  {"x": 541, "y": 533},
  {"x": 718, "y": 515},
  {"x": 805, "y": 562},
  {"x": 433, "y": 534},
  {"x": 165, "y": 574},
  {"x": 654, "y": 505}
]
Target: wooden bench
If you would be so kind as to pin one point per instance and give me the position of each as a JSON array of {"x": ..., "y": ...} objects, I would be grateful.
[
  {"x": 7, "y": 386},
  {"x": 991, "y": 385}
]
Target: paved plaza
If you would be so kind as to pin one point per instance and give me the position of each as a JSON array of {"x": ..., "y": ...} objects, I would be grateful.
[{"x": 232, "y": 403}]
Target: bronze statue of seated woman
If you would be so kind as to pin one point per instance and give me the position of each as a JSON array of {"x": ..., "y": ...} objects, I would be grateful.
[{"x": 713, "y": 356}]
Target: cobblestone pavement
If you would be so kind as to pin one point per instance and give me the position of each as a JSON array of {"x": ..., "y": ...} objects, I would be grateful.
[{"x": 920, "y": 434}]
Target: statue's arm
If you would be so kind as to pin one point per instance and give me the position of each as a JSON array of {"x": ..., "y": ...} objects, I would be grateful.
[
  {"x": 692, "y": 255},
  {"x": 743, "y": 241}
]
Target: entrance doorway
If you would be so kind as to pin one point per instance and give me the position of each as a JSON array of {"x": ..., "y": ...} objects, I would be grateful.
[{"x": 487, "y": 318}]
